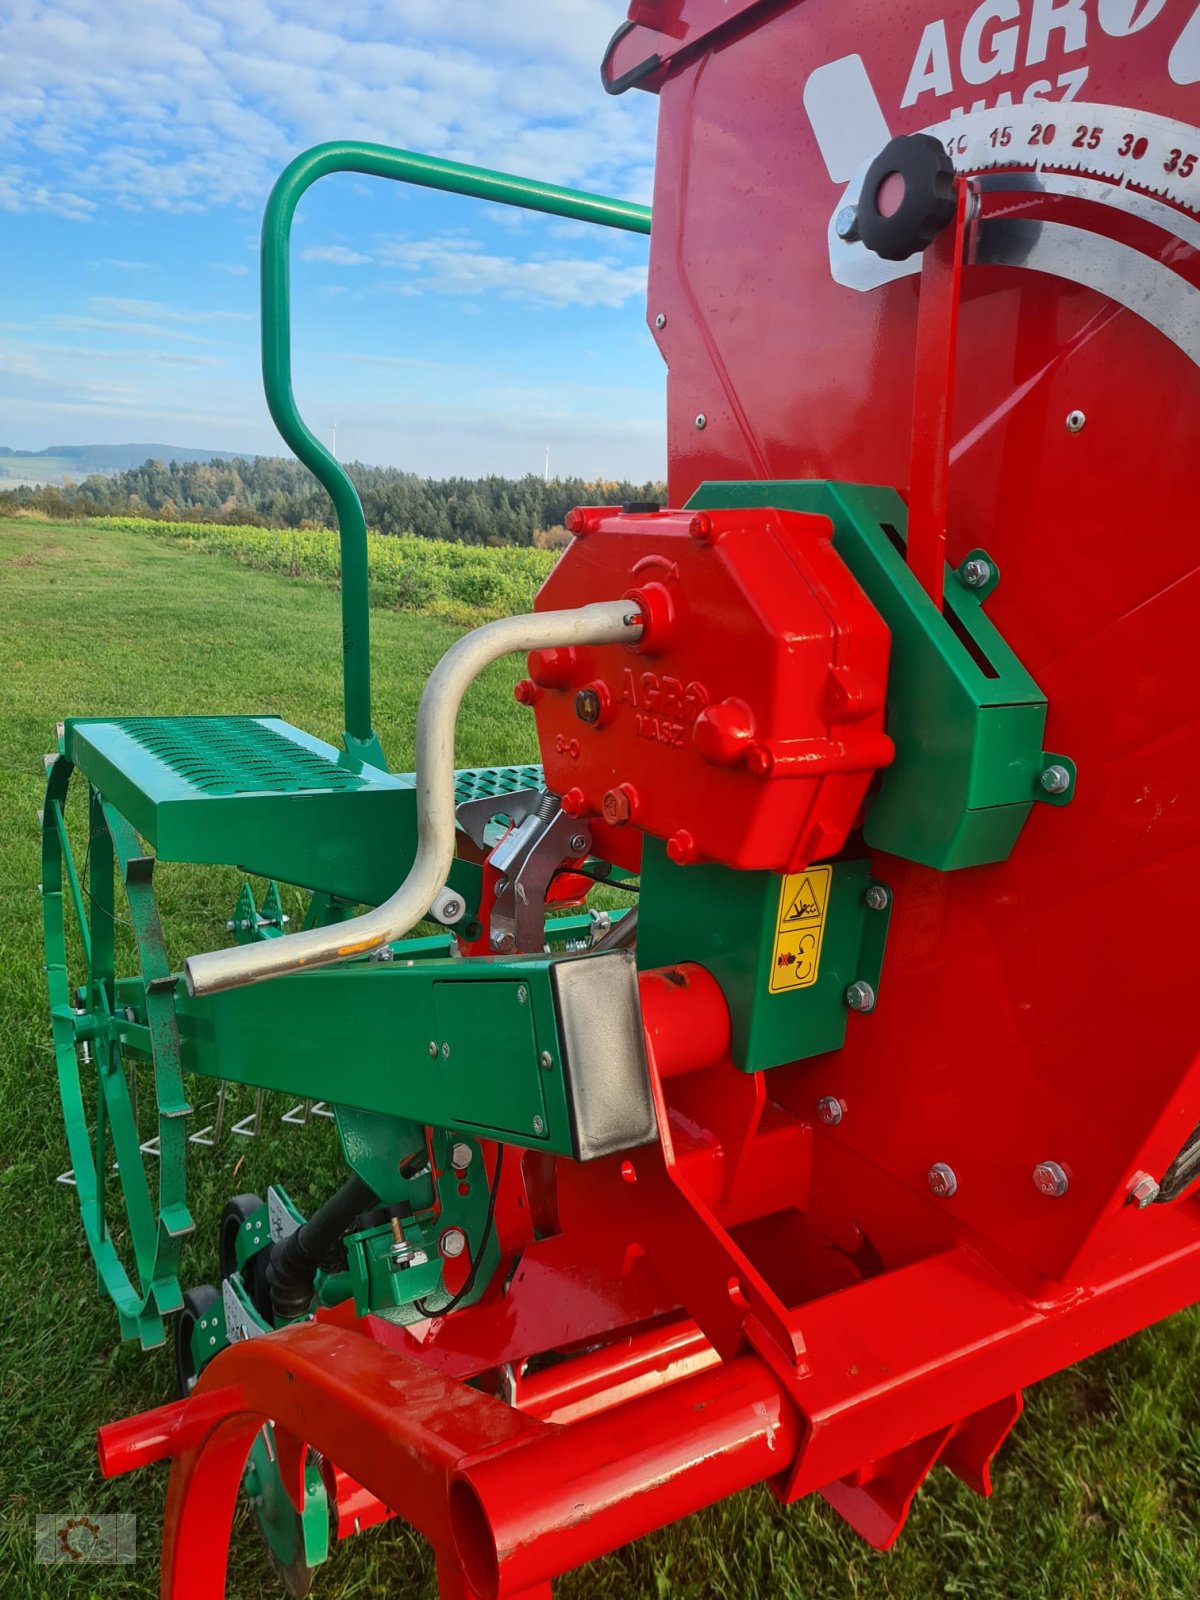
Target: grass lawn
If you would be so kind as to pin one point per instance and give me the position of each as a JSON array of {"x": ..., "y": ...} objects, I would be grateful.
[{"x": 1097, "y": 1492}]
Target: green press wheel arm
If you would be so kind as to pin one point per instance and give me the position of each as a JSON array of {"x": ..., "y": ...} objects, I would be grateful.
[{"x": 379, "y": 161}]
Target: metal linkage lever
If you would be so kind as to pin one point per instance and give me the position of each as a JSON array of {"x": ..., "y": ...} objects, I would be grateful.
[{"x": 607, "y": 622}]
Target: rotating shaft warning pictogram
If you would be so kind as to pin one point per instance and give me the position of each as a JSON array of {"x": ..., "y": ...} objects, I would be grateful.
[{"x": 800, "y": 929}]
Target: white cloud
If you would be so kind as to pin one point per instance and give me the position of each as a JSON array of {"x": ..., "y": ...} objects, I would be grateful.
[
  {"x": 451, "y": 264},
  {"x": 127, "y": 266},
  {"x": 336, "y": 254},
  {"x": 193, "y": 103}
]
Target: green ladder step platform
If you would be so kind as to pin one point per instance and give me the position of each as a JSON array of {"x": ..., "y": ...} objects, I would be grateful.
[{"x": 257, "y": 793}]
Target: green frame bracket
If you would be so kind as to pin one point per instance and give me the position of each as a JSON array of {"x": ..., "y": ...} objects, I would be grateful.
[
  {"x": 728, "y": 922},
  {"x": 967, "y": 718}
]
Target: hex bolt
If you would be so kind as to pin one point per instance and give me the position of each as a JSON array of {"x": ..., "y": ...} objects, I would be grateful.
[
  {"x": 1055, "y": 779},
  {"x": 976, "y": 572},
  {"x": 587, "y": 706},
  {"x": 660, "y": 320},
  {"x": 701, "y": 420},
  {"x": 845, "y": 224},
  {"x": 502, "y": 940},
  {"x": 460, "y": 1156},
  {"x": 860, "y": 996},
  {"x": 830, "y": 1110},
  {"x": 1143, "y": 1191},
  {"x": 547, "y": 1060},
  {"x": 1050, "y": 1179},
  {"x": 453, "y": 1242},
  {"x": 942, "y": 1180},
  {"x": 445, "y": 1052},
  {"x": 877, "y": 898},
  {"x": 1075, "y": 421},
  {"x": 578, "y": 843},
  {"x": 539, "y": 1126},
  {"x": 433, "y": 1049}
]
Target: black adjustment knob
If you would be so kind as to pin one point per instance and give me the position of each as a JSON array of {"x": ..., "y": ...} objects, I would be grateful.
[{"x": 907, "y": 197}]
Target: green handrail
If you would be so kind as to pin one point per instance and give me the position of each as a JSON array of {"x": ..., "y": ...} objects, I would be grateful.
[{"x": 379, "y": 161}]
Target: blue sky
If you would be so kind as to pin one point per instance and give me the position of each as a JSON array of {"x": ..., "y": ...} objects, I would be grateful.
[{"x": 138, "y": 142}]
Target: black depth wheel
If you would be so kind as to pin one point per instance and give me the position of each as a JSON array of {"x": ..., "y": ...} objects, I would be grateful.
[
  {"x": 236, "y": 1214},
  {"x": 197, "y": 1303}
]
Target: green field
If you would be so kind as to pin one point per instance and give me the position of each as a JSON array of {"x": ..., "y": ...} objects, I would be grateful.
[{"x": 1097, "y": 1493}]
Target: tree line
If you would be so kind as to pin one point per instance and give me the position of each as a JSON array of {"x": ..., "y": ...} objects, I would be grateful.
[{"x": 269, "y": 491}]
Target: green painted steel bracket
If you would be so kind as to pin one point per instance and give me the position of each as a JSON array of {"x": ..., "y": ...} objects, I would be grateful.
[
  {"x": 967, "y": 719},
  {"x": 729, "y": 922},
  {"x": 428, "y": 172},
  {"x": 403, "y": 1038}
]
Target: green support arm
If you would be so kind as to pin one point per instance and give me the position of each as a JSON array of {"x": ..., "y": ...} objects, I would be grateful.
[{"x": 379, "y": 161}]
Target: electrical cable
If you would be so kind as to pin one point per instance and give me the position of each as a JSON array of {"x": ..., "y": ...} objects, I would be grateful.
[{"x": 488, "y": 1223}]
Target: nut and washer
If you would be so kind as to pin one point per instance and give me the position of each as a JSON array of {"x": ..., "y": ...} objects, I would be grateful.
[
  {"x": 1143, "y": 1191},
  {"x": 942, "y": 1180},
  {"x": 502, "y": 940},
  {"x": 1055, "y": 779},
  {"x": 976, "y": 572},
  {"x": 1050, "y": 1179},
  {"x": 877, "y": 897},
  {"x": 860, "y": 996},
  {"x": 701, "y": 420},
  {"x": 453, "y": 1242},
  {"x": 445, "y": 1052},
  {"x": 830, "y": 1110},
  {"x": 1075, "y": 421},
  {"x": 460, "y": 1156},
  {"x": 845, "y": 224},
  {"x": 587, "y": 706},
  {"x": 660, "y": 320}
]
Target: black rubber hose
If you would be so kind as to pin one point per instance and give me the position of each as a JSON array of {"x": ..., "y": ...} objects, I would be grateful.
[{"x": 293, "y": 1262}]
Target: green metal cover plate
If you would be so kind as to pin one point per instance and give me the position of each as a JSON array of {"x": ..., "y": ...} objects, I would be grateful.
[{"x": 726, "y": 921}]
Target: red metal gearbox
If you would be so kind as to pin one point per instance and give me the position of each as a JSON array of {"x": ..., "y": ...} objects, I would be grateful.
[{"x": 746, "y": 724}]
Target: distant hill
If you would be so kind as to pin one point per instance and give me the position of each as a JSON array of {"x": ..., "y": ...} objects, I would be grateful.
[{"x": 58, "y": 461}]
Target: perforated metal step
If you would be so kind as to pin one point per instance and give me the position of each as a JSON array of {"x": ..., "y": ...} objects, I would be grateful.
[{"x": 258, "y": 793}]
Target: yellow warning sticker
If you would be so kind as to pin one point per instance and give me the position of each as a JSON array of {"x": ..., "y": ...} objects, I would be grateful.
[{"x": 800, "y": 929}]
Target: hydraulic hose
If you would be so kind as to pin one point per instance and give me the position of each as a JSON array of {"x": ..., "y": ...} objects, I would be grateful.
[
  {"x": 292, "y": 1262},
  {"x": 608, "y": 622}
]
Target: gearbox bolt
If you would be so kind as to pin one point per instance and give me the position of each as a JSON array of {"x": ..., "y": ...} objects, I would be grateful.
[
  {"x": 845, "y": 224},
  {"x": 942, "y": 1180},
  {"x": 460, "y": 1156},
  {"x": 1055, "y": 779},
  {"x": 860, "y": 996},
  {"x": 830, "y": 1110},
  {"x": 587, "y": 705},
  {"x": 1050, "y": 1179}
]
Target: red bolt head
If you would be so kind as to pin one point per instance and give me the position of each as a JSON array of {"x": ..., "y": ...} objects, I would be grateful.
[
  {"x": 618, "y": 804},
  {"x": 525, "y": 692},
  {"x": 701, "y": 527},
  {"x": 572, "y": 802},
  {"x": 681, "y": 848}
]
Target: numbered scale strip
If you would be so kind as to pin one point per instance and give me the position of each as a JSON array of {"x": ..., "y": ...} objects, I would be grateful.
[{"x": 1137, "y": 149}]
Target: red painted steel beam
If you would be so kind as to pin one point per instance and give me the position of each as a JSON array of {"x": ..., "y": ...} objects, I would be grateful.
[{"x": 525, "y": 1514}]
